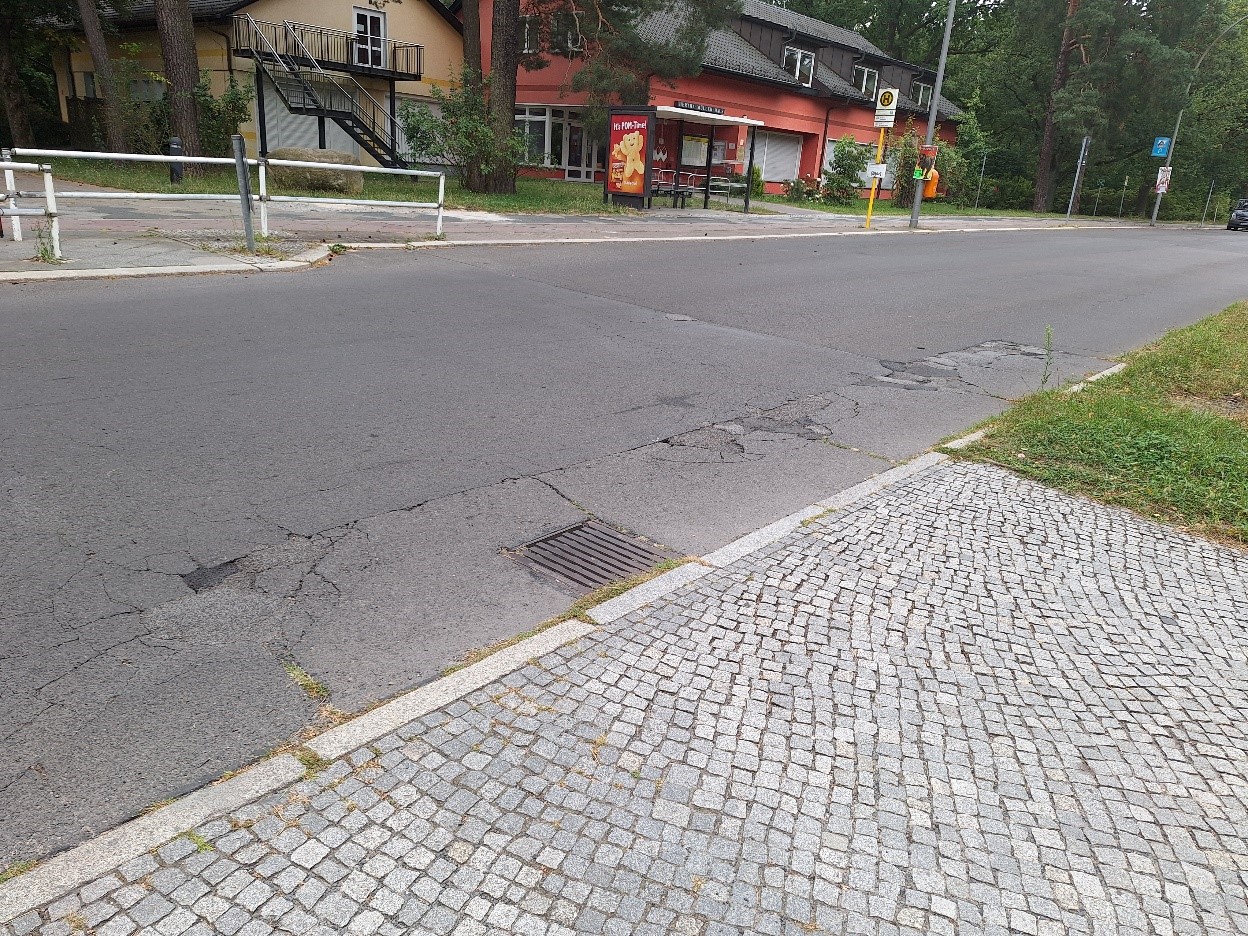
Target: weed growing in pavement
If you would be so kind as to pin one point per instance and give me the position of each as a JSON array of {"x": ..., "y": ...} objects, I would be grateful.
[
  {"x": 201, "y": 844},
  {"x": 336, "y": 249},
  {"x": 312, "y": 762},
  {"x": 44, "y": 250},
  {"x": 312, "y": 687},
  {"x": 1048, "y": 357},
  {"x": 15, "y": 869}
]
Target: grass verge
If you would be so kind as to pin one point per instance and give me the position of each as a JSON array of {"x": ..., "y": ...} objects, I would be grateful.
[
  {"x": 532, "y": 196},
  {"x": 576, "y": 612},
  {"x": 1166, "y": 437}
]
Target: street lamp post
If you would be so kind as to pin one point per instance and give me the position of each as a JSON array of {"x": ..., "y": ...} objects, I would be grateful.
[
  {"x": 1174, "y": 138},
  {"x": 932, "y": 109}
]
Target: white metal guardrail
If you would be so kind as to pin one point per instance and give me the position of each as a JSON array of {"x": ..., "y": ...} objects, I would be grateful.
[
  {"x": 9, "y": 207},
  {"x": 245, "y": 197}
]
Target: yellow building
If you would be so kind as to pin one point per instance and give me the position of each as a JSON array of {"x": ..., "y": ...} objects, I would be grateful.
[{"x": 327, "y": 74}]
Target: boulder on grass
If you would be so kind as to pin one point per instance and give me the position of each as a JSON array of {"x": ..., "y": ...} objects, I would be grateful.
[{"x": 317, "y": 180}]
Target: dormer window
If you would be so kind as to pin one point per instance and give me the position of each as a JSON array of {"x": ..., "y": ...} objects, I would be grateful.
[
  {"x": 866, "y": 80},
  {"x": 922, "y": 94},
  {"x": 800, "y": 64}
]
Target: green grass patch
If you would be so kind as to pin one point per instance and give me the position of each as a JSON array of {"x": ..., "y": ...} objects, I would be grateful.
[
  {"x": 1166, "y": 437},
  {"x": 576, "y": 612},
  {"x": 533, "y": 196}
]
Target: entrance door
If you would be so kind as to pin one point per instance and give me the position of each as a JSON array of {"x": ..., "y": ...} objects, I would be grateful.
[
  {"x": 370, "y": 35},
  {"x": 580, "y": 156}
]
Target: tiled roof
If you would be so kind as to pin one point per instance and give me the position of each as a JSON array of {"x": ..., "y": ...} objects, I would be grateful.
[
  {"x": 836, "y": 85},
  {"x": 946, "y": 109},
  {"x": 808, "y": 26},
  {"x": 725, "y": 50},
  {"x": 144, "y": 11}
]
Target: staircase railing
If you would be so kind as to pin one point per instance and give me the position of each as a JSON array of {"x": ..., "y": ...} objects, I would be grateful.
[
  {"x": 283, "y": 48},
  {"x": 366, "y": 109}
]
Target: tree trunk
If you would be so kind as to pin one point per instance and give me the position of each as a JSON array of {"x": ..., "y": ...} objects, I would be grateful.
[
  {"x": 504, "y": 60},
  {"x": 471, "y": 12},
  {"x": 105, "y": 86},
  {"x": 16, "y": 105},
  {"x": 1048, "y": 140},
  {"x": 177, "y": 47}
]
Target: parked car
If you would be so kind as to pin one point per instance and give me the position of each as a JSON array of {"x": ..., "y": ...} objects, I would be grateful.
[{"x": 1239, "y": 216}]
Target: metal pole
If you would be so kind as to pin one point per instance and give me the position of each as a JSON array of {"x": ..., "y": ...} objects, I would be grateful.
[
  {"x": 261, "y": 124},
  {"x": 10, "y": 185},
  {"x": 931, "y": 113},
  {"x": 264, "y": 197},
  {"x": 875, "y": 183},
  {"x": 441, "y": 199},
  {"x": 1208, "y": 199},
  {"x": 244, "y": 188},
  {"x": 1074, "y": 191},
  {"x": 54, "y": 220},
  {"x": 1152, "y": 222},
  {"x": 749, "y": 171},
  {"x": 982, "y": 166},
  {"x": 1122, "y": 201}
]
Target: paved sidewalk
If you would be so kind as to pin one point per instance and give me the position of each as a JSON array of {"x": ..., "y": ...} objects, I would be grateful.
[
  {"x": 132, "y": 233},
  {"x": 964, "y": 704}
]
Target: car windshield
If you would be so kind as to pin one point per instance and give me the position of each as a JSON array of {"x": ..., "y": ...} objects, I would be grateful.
[{"x": 1242, "y": 205}]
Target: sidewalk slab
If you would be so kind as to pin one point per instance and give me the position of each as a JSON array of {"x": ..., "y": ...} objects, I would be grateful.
[{"x": 960, "y": 702}]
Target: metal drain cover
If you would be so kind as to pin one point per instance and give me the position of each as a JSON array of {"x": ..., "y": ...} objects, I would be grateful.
[{"x": 589, "y": 555}]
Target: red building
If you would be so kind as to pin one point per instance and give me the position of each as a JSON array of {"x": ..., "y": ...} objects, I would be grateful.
[{"x": 810, "y": 83}]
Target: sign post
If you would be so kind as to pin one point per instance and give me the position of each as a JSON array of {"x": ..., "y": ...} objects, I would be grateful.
[
  {"x": 885, "y": 117},
  {"x": 630, "y": 153}
]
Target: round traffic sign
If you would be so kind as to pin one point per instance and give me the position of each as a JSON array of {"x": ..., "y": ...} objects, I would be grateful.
[{"x": 887, "y": 98}]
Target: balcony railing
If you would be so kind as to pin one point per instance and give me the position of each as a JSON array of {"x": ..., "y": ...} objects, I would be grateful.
[{"x": 336, "y": 49}]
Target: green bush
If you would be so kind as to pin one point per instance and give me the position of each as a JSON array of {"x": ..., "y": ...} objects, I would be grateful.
[{"x": 843, "y": 181}]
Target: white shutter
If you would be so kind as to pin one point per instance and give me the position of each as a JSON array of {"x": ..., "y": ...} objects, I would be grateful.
[{"x": 779, "y": 154}]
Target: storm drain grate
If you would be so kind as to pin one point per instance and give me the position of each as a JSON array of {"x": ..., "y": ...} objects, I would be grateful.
[{"x": 589, "y": 555}]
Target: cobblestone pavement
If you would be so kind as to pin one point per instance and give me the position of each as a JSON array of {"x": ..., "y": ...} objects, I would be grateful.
[{"x": 966, "y": 705}]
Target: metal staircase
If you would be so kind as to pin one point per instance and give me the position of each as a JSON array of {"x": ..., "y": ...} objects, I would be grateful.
[{"x": 306, "y": 88}]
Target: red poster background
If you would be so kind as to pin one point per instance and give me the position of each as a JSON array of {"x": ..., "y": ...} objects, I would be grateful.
[{"x": 626, "y": 153}]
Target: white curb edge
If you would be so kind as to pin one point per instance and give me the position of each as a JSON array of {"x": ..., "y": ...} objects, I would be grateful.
[
  {"x": 668, "y": 238},
  {"x": 300, "y": 261}
]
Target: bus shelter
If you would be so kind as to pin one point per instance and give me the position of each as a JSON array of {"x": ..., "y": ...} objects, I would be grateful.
[{"x": 677, "y": 153}]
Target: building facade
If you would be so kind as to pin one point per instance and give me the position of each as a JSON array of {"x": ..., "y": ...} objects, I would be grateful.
[
  {"x": 809, "y": 82},
  {"x": 327, "y": 74}
]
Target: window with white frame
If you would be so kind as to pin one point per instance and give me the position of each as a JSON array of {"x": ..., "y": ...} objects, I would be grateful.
[
  {"x": 866, "y": 80},
  {"x": 922, "y": 94},
  {"x": 530, "y": 35},
  {"x": 800, "y": 64},
  {"x": 544, "y": 130}
]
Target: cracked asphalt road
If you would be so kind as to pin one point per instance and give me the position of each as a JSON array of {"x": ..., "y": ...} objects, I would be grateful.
[{"x": 206, "y": 478}]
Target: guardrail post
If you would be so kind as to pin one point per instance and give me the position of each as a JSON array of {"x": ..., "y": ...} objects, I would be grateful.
[
  {"x": 10, "y": 185},
  {"x": 264, "y": 197},
  {"x": 441, "y": 198},
  {"x": 244, "y": 188},
  {"x": 54, "y": 219}
]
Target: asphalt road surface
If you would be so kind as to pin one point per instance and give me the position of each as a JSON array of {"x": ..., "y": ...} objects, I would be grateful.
[{"x": 207, "y": 478}]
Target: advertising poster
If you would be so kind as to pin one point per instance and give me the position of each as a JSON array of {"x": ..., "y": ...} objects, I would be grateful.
[
  {"x": 628, "y": 140},
  {"x": 927, "y": 162}
]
